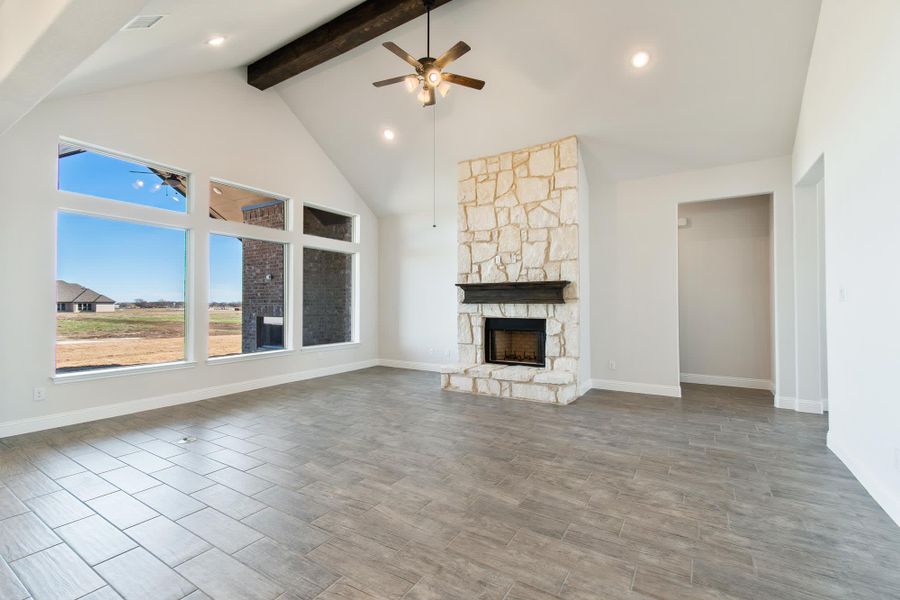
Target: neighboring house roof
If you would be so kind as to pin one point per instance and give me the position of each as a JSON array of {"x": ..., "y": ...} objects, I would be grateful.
[{"x": 73, "y": 292}]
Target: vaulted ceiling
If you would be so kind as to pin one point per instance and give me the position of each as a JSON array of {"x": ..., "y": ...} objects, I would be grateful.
[
  {"x": 724, "y": 83},
  {"x": 176, "y": 46}
]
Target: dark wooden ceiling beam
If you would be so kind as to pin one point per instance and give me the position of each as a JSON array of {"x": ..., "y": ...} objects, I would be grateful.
[{"x": 353, "y": 28}]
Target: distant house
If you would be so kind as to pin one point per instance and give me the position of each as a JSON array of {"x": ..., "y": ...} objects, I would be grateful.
[{"x": 72, "y": 297}]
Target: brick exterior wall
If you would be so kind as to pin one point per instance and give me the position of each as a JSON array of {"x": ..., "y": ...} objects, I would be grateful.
[
  {"x": 262, "y": 298},
  {"x": 327, "y": 224},
  {"x": 327, "y": 297}
]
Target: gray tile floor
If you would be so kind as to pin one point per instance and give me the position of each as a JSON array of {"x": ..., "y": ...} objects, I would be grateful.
[{"x": 376, "y": 484}]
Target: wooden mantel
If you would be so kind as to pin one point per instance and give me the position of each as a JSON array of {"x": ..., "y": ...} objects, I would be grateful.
[{"x": 521, "y": 292}]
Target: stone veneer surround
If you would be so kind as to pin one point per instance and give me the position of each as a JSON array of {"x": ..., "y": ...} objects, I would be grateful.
[{"x": 518, "y": 221}]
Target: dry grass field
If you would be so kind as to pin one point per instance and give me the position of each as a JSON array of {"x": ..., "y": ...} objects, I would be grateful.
[{"x": 136, "y": 336}]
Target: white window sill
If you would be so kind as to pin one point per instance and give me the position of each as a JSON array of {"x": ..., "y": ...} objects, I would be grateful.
[
  {"x": 329, "y": 347},
  {"x": 224, "y": 360},
  {"x": 119, "y": 372}
]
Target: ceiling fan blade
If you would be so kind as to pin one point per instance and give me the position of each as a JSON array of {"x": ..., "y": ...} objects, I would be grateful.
[
  {"x": 452, "y": 54},
  {"x": 403, "y": 54},
  {"x": 475, "y": 84},
  {"x": 390, "y": 81},
  {"x": 431, "y": 97}
]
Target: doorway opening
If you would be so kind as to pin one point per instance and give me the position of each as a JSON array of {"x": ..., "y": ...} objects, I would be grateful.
[
  {"x": 809, "y": 291},
  {"x": 725, "y": 292}
]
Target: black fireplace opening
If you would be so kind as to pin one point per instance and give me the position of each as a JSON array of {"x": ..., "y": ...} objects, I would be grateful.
[
  {"x": 269, "y": 333},
  {"x": 515, "y": 341}
]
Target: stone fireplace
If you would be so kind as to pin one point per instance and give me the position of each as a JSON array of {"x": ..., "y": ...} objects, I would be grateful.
[{"x": 519, "y": 317}]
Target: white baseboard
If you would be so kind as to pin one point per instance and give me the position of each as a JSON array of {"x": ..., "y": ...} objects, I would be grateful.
[
  {"x": 637, "y": 388},
  {"x": 810, "y": 406},
  {"x": 884, "y": 494},
  {"x": 405, "y": 364},
  {"x": 584, "y": 387},
  {"x": 785, "y": 402},
  {"x": 106, "y": 411},
  {"x": 816, "y": 407},
  {"x": 741, "y": 382}
]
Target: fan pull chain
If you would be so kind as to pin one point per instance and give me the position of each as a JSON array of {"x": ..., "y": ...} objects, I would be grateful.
[{"x": 434, "y": 166}]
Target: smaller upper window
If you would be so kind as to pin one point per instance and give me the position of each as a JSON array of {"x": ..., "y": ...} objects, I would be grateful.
[
  {"x": 87, "y": 171},
  {"x": 327, "y": 224},
  {"x": 242, "y": 205}
]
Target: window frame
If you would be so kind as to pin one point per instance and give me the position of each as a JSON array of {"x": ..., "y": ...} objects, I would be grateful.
[
  {"x": 286, "y": 237},
  {"x": 331, "y": 245},
  {"x": 198, "y": 226},
  {"x": 120, "y": 210},
  {"x": 77, "y": 306},
  {"x": 354, "y": 216},
  {"x": 287, "y": 330},
  {"x": 188, "y": 200},
  {"x": 288, "y": 206}
]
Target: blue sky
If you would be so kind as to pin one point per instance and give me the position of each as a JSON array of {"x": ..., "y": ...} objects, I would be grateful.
[
  {"x": 126, "y": 260},
  {"x": 225, "y": 266}
]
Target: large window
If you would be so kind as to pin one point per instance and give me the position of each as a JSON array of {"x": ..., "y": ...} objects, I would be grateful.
[
  {"x": 242, "y": 205},
  {"x": 119, "y": 293},
  {"x": 328, "y": 277},
  {"x": 120, "y": 278},
  {"x": 327, "y": 297},
  {"x": 247, "y": 295},
  {"x": 127, "y": 231},
  {"x": 94, "y": 173},
  {"x": 327, "y": 224}
]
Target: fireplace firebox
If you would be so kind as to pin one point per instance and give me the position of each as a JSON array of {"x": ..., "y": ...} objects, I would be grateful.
[{"x": 515, "y": 341}]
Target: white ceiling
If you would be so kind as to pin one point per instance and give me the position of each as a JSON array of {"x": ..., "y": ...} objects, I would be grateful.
[
  {"x": 176, "y": 46},
  {"x": 724, "y": 84},
  {"x": 41, "y": 42}
]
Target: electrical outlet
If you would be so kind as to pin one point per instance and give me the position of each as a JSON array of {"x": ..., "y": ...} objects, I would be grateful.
[
  {"x": 40, "y": 394},
  {"x": 612, "y": 365},
  {"x": 842, "y": 294}
]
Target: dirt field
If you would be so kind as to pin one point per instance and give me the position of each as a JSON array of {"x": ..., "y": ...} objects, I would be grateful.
[{"x": 136, "y": 336}]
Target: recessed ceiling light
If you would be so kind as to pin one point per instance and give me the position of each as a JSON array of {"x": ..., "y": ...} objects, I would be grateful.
[
  {"x": 217, "y": 191},
  {"x": 640, "y": 59},
  {"x": 388, "y": 134},
  {"x": 216, "y": 41}
]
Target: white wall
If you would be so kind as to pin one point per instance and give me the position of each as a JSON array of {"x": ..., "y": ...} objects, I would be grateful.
[
  {"x": 211, "y": 126},
  {"x": 417, "y": 291},
  {"x": 418, "y": 297},
  {"x": 585, "y": 289},
  {"x": 633, "y": 298},
  {"x": 724, "y": 292},
  {"x": 850, "y": 115},
  {"x": 634, "y": 264}
]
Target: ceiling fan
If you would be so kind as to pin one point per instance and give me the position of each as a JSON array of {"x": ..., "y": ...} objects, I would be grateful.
[
  {"x": 430, "y": 75},
  {"x": 175, "y": 183}
]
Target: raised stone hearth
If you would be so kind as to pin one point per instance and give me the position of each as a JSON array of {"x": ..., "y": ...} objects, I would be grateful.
[
  {"x": 528, "y": 383},
  {"x": 518, "y": 222}
]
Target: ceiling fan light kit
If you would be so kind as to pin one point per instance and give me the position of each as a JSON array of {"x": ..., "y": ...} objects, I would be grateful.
[{"x": 430, "y": 74}]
